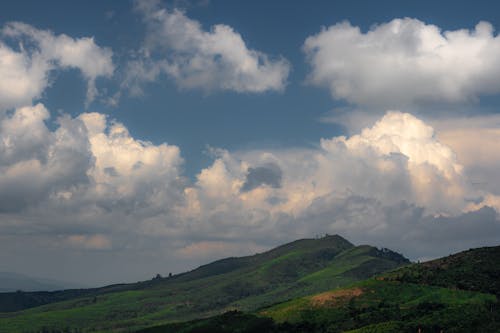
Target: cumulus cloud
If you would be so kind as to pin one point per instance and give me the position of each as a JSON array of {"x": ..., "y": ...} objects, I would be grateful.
[
  {"x": 28, "y": 55},
  {"x": 474, "y": 138},
  {"x": 398, "y": 158},
  {"x": 403, "y": 62},
  {"x": 133, "y": 174},
  {"x": 87, "y": 161},
  {"x": 393, "y": 184},
  {"x": 35, "y": 162},
  {"x": 214, "y": 60},
  {"x": 89, "y": 185}
]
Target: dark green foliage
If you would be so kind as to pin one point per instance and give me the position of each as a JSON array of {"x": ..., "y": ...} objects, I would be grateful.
[
  {"x": 382, "y": 318},
  {"x": 234, "y": 322},
  {"x": 382, "y": 310},
  {"x": 476, "y": 269},
  {"x": 458, "y": 293},
  {"x": 229, "y": 322},
  {"x": 19, "y": 300},
  {"x": 405, "y": 300},
  {"x": 15, "y": 301}
]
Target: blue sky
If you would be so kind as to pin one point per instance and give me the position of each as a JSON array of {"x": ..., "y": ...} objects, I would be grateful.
[{"x": 172, "y": 133}]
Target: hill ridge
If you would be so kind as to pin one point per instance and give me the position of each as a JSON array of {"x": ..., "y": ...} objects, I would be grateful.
[{"x": 243, "y": 283}]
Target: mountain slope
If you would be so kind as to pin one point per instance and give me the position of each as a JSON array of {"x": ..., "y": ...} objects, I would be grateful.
[
  {"x": 248, "y": 283},
  {"x": 372, "y": 306},
  {"x": 325, "y": 247},
  {"x": 475, "y": 269},
  {"x": 457, "y": 293}
]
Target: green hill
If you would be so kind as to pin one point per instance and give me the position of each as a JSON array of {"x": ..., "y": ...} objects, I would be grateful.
[
  {"x": 290, "y": 271},
  {"x": 458, "y": 293},
  {"x": 475, "y": 269},
  {"x": 370, "y": 307}
]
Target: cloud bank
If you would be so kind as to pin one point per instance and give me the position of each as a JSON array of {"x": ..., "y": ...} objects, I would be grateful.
[
  {"x": 405, "y": 62},
  {"x": 215, "y": 60},
  {"x": 88, "y": 185}
]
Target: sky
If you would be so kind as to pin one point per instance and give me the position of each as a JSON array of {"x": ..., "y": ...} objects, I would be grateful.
[{"x": 144, "y": 137}]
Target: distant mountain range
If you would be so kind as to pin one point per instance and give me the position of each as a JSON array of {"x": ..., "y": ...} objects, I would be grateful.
[
  {"x": 14, "y": 282},
  {"x": 310, "y": 285}
]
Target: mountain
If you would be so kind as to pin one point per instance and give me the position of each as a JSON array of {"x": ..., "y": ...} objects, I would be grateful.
[
  {"x": 14, "y": 281},
  {"x": 373, "y": 306},
  {"x": 458, "y": 293},
  {"x": 475, "y": 269},
  {"x": 290, "y": 271}
]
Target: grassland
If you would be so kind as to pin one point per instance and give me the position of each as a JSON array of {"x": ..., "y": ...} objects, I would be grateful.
[
  {"x": 458, "y": 293},
  {"x": 378, "y": 302},
  {"x": 321, "y": 285},
  {"x": 246, "y": 284}
]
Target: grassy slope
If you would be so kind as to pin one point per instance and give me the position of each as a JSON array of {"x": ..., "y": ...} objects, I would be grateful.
[
  {"x": 15, "y": 301},
  {"x": 455, "y": 293},
  {"x": 475, "y": 269},
  {"x": 293, "y": 270},
  {"x": 367, "y": 294},
  {"x": 368, "y": 306}
]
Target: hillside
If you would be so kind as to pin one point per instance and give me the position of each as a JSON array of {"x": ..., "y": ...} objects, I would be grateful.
[
  {"x": 371, "y": 306},
  {"x": 458, "y": 293},
  {"x": 290, "y": 271},
  {"x": 475, "y": 269}
]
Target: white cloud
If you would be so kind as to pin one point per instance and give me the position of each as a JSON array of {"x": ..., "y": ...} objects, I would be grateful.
[
  {"x": 475, "y": 141},
  {"x": 403, "y": 62},
  {"x": 212, "y": 60},
  {"x": 398, "y": 158},
  {"x": 25, "y": 70},
  {"x": 23, "y": 77},
  {"x": 435, "y": 175},
  {"x": 35, "y": 161},
  {"x": 89, "y": 185},
  {"x": 86, "y": 162},
  {"x": 128, "y": 171},
  {"x": 474, "y": 138}
]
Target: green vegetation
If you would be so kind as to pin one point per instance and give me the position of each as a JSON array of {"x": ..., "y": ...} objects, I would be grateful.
[
  {"x": 377, "y": 305},
  {"x": 452, "y": 294},
  {"x": 290, "y": 271},
  {"x": 476, "y": 269},
  {"x": 312, "y": 285},
  {"x": 458, "y": 293}
]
